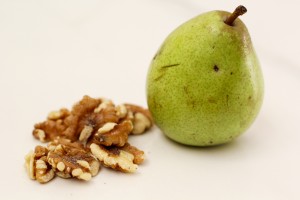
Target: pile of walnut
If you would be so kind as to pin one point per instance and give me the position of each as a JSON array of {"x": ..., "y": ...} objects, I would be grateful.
[{"x": 94, "y": 132}]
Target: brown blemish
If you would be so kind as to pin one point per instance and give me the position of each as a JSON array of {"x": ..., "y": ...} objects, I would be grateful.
[
  {"x": 162, "y": 71},
  {"x": 171, "y": 65},
  {"x": 154, "y": 56},
  {"x": 191, "y": 101},
  {"x": 216, "y": 68},
  {"x": 212, "y": 100},
  {"x": 194, "y": 103},
  {"x": 161, "y": 49},
  {"x": 231, "y": 73},
  {"x": 159, "y": 77}
]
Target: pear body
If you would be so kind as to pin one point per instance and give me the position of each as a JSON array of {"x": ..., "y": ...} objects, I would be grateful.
[{"x": 205, "y": 85}]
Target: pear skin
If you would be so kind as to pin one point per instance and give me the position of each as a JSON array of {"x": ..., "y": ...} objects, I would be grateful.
[{"x": 205, "y": 85}]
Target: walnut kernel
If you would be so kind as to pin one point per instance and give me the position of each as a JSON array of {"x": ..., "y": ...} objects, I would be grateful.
[
  {"x": 94, "y": 131},
  {"x": 122, "y": 161}
]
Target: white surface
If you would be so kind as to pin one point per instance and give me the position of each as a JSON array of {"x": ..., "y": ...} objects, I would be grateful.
[{"x": 54, "y": 52}]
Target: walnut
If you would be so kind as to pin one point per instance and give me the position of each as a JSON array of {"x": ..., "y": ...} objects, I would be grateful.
[
  {"x": 142, "y": 119},
  {"x": 114, "y": 158},
  {"x": 60, "y": 114},
  {"x": 40, "y": 151},
  {"x": 87, "y": 117},
  {"x": 113, "y": 134},
  {"x": 94, "y": 131},
  {"x": 85, "y": 133},
  {"x": 105, "y": 103},
  {"x": 121, "y": 111},
  {"x": 138, "y": 154},
  {"x": 106, "y": 127},
  {"x": 37, "y": 166},
  {"x": 53, "y": 127},
  {"x": 29, "y": 163},
  {"x": 141, "y": 123},
  {"x": 72, "y": 160},
  {"x": 80, "y": 116},
  {"x": 43, "y": 172}
]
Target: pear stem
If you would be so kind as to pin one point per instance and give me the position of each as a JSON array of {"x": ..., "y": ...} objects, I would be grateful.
[{"x": 240, "y": 10}]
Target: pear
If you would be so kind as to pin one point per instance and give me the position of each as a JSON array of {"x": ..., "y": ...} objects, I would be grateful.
[{"x": 205, "y": 85}]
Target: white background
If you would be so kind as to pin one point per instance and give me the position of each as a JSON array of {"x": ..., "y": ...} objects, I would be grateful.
[{"x": 54, "y": 52}]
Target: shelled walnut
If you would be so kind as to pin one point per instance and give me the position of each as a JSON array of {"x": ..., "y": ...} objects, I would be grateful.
[
  {"x": 141, "y": 119},
  {"x": 37, "y": 166},
  {"x": 93, "y": 132},
  {"x": 72, "y": 160},
  {"x": 122, "y": 159},
  {"x": 113, "y": 134}
]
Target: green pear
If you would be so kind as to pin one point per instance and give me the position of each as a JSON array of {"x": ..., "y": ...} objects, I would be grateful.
[{"x": 205, "y": 85}]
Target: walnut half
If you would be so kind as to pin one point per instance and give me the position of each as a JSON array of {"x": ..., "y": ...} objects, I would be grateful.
[
  {"x": 122, "y": 159},
  {"x": 142, "y": 119},
  {"x": 37, "y": 166},
  {"x": 113, "y": 134},
  {"x": 72, "y": 160}
]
